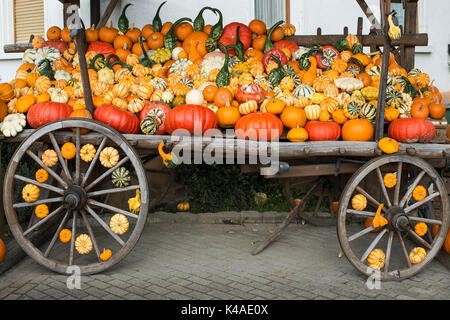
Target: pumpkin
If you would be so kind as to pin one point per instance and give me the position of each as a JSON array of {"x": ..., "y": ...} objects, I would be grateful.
[
  {"x": 322, "y": 131},
  {"x": 230, "y": 32},
  {"x": 250, "y": 92},
  {"x": 390, "y": 180},
  {"x": 30, "y": 193},
  {"x": 24, "y": 103},
  {"x": 348, "y": 84},
  {"x": 87, "y": 152},
  {"x": 6, "y": 92},
  {"x": 41, "y": 211},
  {"x": 357, "y": 130},
  {"x": 352, "y": 109},
  {"x": 158, "y": 109},
  {"x": 388, "y": 145},
  {"x": 248, "y": 107},
  {"x": 297, "y": 135},
  {"x": 419, "y": 110},
  {"x": 359, "y": 202},
  {"x": 150, "y": 124},
  {"x": 41, "y": 175},
  {"x": 368, "y": 111},
  {"x": 419, "y": 193},
  {"x": 120, "y": 177},
  {"x": 376, "y": 259},
  {"x": 417, "y": 255},
  {"x": 257, "y": 26},
  {"x": 390, "y": 114},
  {"x": 68, "y": 150},
  {"x": 312, "y": 111},
  {"x": 188, "y": 116},
  {"x": 50, "y": 157},
  {"x": 121, "y": 120},
  {"x": 42, "y": 113},
  {"x": 339, "y": 116},
  {"x": 379, "y": 221},
  {"x": 183, "y": 206},
  {"x": 303, "y": 90},
  {"x": 275, "y": 106},
  {"x": 83, "y": 244},
  {"x": 412, "y": 130},
  {"x": 119, "y": 223},
  {"x": 437, "y": 110},
  {"x": 227, "y": 116},
  {"x": 293, "y": 117},
  {"x": 103, "y": 48},
  {"x": 368, "y": 223},
  {"x": 259, "y": 126},
  {"x": 109, "y": 157},
  {"x": 421, "y": 228},
  {"x": 105, "y": 255},
  {"x": 65, "y": 235}
]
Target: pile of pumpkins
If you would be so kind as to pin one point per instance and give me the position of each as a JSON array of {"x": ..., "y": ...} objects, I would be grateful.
[{"x": 164, "y": 76}]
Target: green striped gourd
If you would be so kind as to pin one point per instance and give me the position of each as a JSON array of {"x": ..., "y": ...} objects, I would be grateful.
[
  {"x": 303, "y": 90},
  {"x": 150, "y": 124},
  {"x": 120, "y": 177},
  {"x": 352, "y": 110},
  {"x": 368, "y": 111}
]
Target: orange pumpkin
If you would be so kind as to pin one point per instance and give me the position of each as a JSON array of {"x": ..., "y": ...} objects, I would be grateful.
[
  {"x": 108, "y": 33},
  {"x": 209, "y": 92},
  {"x": 437, "y": 110},
  {"x": 183, "y": 30},
  {"x": 257, "y": 26},
  {"x": 357, "y": 130},
  {"x": 293, "y": 117},
  {"x": 155, "y": 41},
  {"x": 68, "y": 150},
  {"x": 227, "y": 116},
  {"x": 223, "y": 97},
  {"x": 419, "y": 110},
  {"x": 92, "y": 34},
  {"x": 54, "y": 33}
]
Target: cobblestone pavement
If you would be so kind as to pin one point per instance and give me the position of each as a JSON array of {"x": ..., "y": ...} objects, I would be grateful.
[{"x": 213, "y": 261}]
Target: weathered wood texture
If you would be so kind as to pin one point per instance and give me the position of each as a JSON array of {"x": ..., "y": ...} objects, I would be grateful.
[{"x": 107, "y": 14}]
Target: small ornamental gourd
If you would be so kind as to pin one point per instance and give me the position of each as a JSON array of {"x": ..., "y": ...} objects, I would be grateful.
[
  {"x": 83, "y": 244},
  {"x": 183, "y": 206},
  {"x": 41, "y": 175},
  {"x": 87, "y": 152},
  {"x": 68, "y": 150},
  {"x": 49, "y": 157},
  {"x": 119, "y": 224},
  {"x": 12, "y": 124},
  {"x": 379, "y": 221},
  {"x": 134, "y": 204},
  {"x": 352, "y": 110},
  {"x": 30, "y": 193},
  {"x": 41, "y": 211},
  {"x": 421, "y": 228},
  {"x": 105, "y": 255},
  {"x": 109, "y": 157},
  {"x": 376, "y": 259},
  {"x": 150, "y": 124},
  {"x": 419, "y": 193},
  {"x": 359, "y": 202},
  {"x": 417, "y": 255},
  {"x": 390, "y": 180},
  {"x": 65, "y": 235},
  {"x": 120, "y": 177},
  {"x": 388, "y": 145}
]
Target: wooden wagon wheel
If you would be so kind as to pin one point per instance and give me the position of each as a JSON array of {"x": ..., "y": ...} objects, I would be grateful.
[
  {"x": 398, "y": 237},
  {"x": 73, "y": 197}
]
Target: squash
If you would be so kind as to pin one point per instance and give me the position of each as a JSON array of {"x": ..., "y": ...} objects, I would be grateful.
[
  {"x": 379, "y": 221},
  {"x": 419, "y": 193},
  {"x": 13, "y": 124},
  {"x": 352, "y": 109},
  {"x": 105, "y": 255},
  {"x": 312, "y": 112},
  {"x": 417, "y": 255},
  {"x": 2, "y": 250},
  {"x": 30, "y": 192},
  {"x": 65, "y": 235},
  {"x": 323, "y": 131},
  {"x": 390, "y": 180},
  {"x": 41, "y": 211},
  {"x": 376, "y": 259},
  {"x": 134, "y": 204},
  {"x": 421, "y": 228},
  {"x": 388, "y": 145},
  {"x": 259, "y": 126},
  {"x": 357, "y": 130},
  {"x": 293, "y": 117},
  {"x": 50, "y": 157},
  {"x": 183, "y": 206},
  {"x": 68, "y": 150},
  {"x": 297, "y": 135},
  {"x": 412, "y": 130},
  {"x": 83, "y": 244},
  {"x": 87, "y": 152},
  {"x": 368, "y": 111},
  {"x": 119, "y": 223},
  {"x": 41, "y": 175},
  {"x": 359, "y": 202},
  {"x": 348, "y": 84},
  {"x": 120, "y": 177},
  {"x": 303, "y": 90},
  {"x": 109, "y": 157},
  {"x": 42, "y": 113}
]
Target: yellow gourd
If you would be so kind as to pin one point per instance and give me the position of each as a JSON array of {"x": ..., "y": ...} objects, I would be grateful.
[{"x": 379, "y": 221}]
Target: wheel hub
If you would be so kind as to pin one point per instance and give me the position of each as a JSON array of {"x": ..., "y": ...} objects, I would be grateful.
[
  {"x": 398, "y": 219},
  {"x": 75, "y": 197}
]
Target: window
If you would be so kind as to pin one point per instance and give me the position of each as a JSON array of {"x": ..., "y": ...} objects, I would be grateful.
[
  {"x": 271, "y": 11},
  {"x": 28, "y": 19}
]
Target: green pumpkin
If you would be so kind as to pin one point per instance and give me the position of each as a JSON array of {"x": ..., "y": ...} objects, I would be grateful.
[
  {"x": 210, "y": 44},
  {"x": 352, "y": 110},
  {"x": 303, "y": 62},
  {"x": 121, "y": 178},
  {"x": 357, "y": 48},
  {"x": 150, "y": 125},
  {"x": 368, "y": 111}
]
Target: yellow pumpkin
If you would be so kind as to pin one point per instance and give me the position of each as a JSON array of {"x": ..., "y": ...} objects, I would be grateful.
[
  {"x": 119, "y": 223},
  {"x": 297, "y": 135},
  {"x": 388, "y": 145},
  {"x": 109, "y": 157},
  {"x": 30, "y": 193},
  {"x": 419, "y": 193},
  {"x": 83, "y": 244},
  {"x": 390, "y": 180},
  {"x": 376, "y": 259},
  {"x": 417, "y": 255},
  {"x": 359, "y": 202},
  {"x": 41, "y": 211},
  {"x": 421, "y": 228}
]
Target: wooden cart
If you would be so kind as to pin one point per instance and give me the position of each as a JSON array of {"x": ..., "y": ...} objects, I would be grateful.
[{"x": 80, "y": 195}]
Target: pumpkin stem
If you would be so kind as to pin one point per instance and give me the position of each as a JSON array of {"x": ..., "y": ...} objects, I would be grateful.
[
  {"x": 268, "y": 45},
  {"x": 157, "y": 23}
]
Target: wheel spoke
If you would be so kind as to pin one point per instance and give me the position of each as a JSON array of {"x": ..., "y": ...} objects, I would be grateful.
[
  {"x": 74, "y": 234},
  {"x": 60, "y": 157},
  {"x": 35, "y": 203},
  {"x": 383, "y": 187},
  {"x": 360, "y": 233},
  {"x": 77, "y": 157},
  {"x": 402, "y": 244},
  {"x": 422, "y": 202},
  {"x": 370, "y": 198},
  {"x": 388, "y": 251},
  {"x": 106, "y": 173},
  {"x": 361, "y": 213},
  {"x": 44, "y": 220},
  {"x": 373, "y": 244},
  {"x": 50, "y": 171},
  {"x": 411, "y": 188},
  {"x": 397, "y": 186},
  {"x": 91, "y": 233},
  {"x": 56, "y": 235},
  {"x": 39, "y": 184},
  {"x": 419, "y": 239},
  {"x": 114, "y": 190},
  {"x": 432, "y": 221},
  {"x": 105, "y": 226},
  {"x": 111, "y": 208},
  {"x": 94, "y": 161}
]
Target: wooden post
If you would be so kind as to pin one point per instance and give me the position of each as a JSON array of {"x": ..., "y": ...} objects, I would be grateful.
[
  {"x": 95, "y": 12},
  {"x": 407, "y": 53},
  {"x": 108, "y": 12},
  {"x": 81, "y": 47},
  {"x": 2, "y": 211},
  {"x": 369, "y": 14}
]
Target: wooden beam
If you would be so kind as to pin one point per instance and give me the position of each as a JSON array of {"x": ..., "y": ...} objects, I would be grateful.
[
  {"x": 108, "y": 12},
  {"x": 370, "y": 15},
  {"x": 307, "y": 170},
  {"x": 95, "y": 12},
  {"x": 407, "y": 53}
]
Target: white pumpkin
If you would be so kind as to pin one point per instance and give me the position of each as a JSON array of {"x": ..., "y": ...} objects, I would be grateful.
[
  {"x": 194, "y": 97},
  {"x": 175, "y": 53},
  {"x": 47, "y": 53},
  {"x": 61, "y": 74},
  {"x": 13, "y": 124},
  {"x": 29, "y": 56},
  {"x": 348, "y": 84}
]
